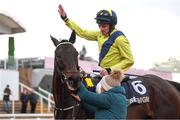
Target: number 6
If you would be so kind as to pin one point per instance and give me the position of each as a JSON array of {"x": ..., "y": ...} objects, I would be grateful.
[{"x": 138, "y": 87}]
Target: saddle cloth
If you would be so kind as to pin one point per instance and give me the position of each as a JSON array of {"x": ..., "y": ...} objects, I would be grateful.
[{"x": 136, "y": 91}]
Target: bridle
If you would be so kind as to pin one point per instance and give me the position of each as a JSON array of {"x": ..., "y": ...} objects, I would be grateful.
[
  {"x": 66, "y": 109},
  {"x": 63, "y": 80}
]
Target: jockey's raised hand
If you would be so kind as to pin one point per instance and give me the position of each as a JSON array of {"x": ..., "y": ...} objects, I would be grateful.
[{"x": 62, "y": 12}]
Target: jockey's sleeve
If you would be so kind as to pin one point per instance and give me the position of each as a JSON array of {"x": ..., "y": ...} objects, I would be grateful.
[{"x": 86, "y": 34}]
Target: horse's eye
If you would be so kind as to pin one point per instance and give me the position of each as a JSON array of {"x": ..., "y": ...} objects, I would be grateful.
[
  {"x": 77, "y": 53},
  {"x": 59, "y": 58}
]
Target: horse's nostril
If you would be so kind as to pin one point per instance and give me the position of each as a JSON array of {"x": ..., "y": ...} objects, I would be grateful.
[{"x": 70, "y": 82}]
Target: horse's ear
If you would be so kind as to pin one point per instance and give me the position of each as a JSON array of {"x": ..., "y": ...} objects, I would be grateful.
[
  {"x": 55, "y": 41},
  {"x": 72, "y": 39}
]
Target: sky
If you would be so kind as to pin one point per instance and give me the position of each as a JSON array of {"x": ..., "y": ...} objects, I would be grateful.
[{"x": 151, "y": 26}]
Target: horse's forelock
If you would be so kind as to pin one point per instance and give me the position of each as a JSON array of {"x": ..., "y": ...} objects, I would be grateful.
[{"x": 64, "y": 40}]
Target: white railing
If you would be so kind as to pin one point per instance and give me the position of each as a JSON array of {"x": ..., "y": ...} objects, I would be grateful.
[
  {"x": 50, "y": 96},
  {"x": 13, "y": 105},
  {"x": 33, "y": 115},
  {"x": 50, "y": 101},
  {"x": 48, "y": 116}
]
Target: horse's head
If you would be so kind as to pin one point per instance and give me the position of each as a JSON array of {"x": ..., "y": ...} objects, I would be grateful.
[{"x": 66, "y": 62}]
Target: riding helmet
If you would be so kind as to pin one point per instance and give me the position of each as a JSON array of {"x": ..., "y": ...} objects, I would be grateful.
[{"x": 106, "y": 16}]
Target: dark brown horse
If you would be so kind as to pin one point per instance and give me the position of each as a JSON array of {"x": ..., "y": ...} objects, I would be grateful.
[
  {"x": 164, "y": 97},
  {"x": 66, "y": 77}
]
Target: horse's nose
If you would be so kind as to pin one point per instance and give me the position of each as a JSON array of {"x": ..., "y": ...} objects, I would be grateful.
[
  {"x": 71, "y": 74},
  {"x": 74, "y": 81}
]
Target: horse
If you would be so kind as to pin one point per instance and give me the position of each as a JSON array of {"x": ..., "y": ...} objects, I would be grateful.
[
  {"x": 66, "y": 77},
  {"x": 164, "y": 98}
]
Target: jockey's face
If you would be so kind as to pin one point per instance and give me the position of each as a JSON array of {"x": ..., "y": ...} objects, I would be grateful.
[{"x": 104, "y": 28}]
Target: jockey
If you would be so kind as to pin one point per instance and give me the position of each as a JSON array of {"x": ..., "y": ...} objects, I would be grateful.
[{"x": 114, "y": 48}]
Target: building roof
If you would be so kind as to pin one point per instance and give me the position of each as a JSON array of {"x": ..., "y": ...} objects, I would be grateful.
[
  {"x": 172, "y": 65},
  {"x": 85, "y": 65},
  {"x": 9, "y": 25},
  {"x": 140, "y": 72}
]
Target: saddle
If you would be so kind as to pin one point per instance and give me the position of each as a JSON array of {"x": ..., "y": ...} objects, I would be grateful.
[
  {"x": 90, "y": 81},
  {"x": 136, "y": 92}
]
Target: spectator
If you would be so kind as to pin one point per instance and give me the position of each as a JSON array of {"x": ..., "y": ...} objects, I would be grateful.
[
  {"x": 24, "y": 101},
  {"x": 109, "y": 102},
  {"x": 82, "y": 53},
  {"x": 6, "y": 100},
  {"x": 33, "y": 98}
]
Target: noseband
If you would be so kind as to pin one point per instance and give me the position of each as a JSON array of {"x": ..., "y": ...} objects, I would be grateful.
[{"x": 63, "y": 79}]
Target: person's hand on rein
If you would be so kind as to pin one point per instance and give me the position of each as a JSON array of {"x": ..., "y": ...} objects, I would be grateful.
[
  {"x": 104, "y": 72},
  {"x": 76, "y": 97}
]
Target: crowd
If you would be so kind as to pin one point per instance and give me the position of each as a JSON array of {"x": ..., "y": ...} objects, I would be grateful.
[
  {"x": 25, "y": 98},
  {"x": 30, "y": 97}
]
